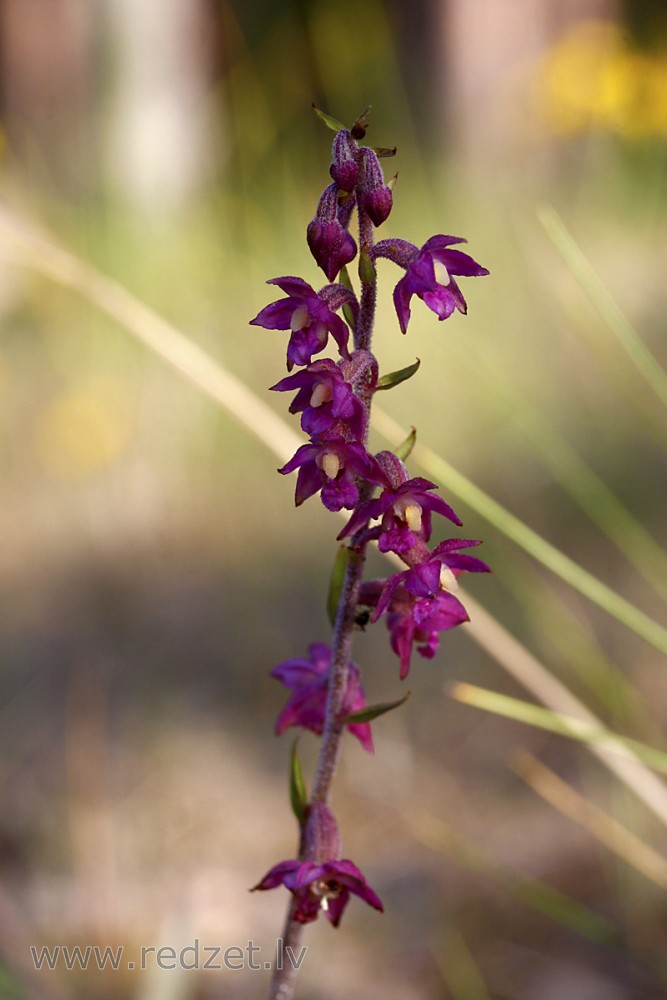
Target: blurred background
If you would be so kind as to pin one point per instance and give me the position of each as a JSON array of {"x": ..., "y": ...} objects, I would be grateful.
[{"x": 153, "y": 568}]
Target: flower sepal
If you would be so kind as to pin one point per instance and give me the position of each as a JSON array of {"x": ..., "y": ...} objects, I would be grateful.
[
  {"x": 374, "y": 711},
  {"x": 401, "y": 375}
]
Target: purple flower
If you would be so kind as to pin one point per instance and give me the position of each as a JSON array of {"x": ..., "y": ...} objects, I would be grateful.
[
  {"x": 308, "y": 315},
  {"x": 306, "y": 706},
  {"x": 419, "y": 621},
  {"x": 323, "y": 881},
  {"x": 438, "y": 571},
  {"x": 419, "y": 602},
  {"x": 330, "y": 243},
  {"x": 330, "y": 465},
  {"x": 325, "y": 398},
  {"x": 326, "y": 886},
  {"x": 429, "y": 276},
  {"x": 405, "y": 512}
]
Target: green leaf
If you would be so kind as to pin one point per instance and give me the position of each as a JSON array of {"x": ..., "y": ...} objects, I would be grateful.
[
  {"x": 372, "y": 711},
  {"x": 297, "y": 786},
  {"x": 336, "y": 581},
  {"x": 395, "y": 378},
  {"x": 603, "y": 301},
  {"x": 327, "y": 120},
  {"x": 404, "y": 449},
  {"x": 384, "y": 151},
  {"x": 366, "y": 268},
  {"x": 345, "y": 280}
]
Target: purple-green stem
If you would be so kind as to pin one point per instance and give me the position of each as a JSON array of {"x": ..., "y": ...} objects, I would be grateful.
[{"x": 284, "y": 979}]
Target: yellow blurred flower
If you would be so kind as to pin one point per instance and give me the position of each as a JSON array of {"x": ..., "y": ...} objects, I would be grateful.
[
  {"x": 592, "y": 78},
  {"x": 83, "y": 431}
]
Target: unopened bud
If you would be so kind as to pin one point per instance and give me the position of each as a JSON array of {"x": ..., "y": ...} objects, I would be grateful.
[
  {"x": 375, "y": 198},
  {"x": 393, "y": 469},
  {"x": 344, "y": 168}
]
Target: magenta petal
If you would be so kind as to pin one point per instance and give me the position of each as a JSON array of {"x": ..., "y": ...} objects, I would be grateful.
[
  {"x": 305, "y": 708},
  {"x": 438, "y": 505},
  {"x": 360, "y": 518},
  {"x": 293, "y": 673},
  {"x": 276, "y": 876},
  {"x": 362, "y": 731},
  {"x": 291, "y": 285},
  {"x": 441, "y": 242},
  {"x": 423, "y": 580},
  {"x": 453, "y": 544},
  {"x": 459, "y": 263},
  {"x": 277, "y": 316},
  {"x": 440, "y": 301},
  {"x": 308, "y": 482},
  {"x": 386, "y": 595},
  {"x": 306, "y": 453},
  {"x": 402, "y": 296},
  {"x": 401, "y": 643},
  {"x": 339, "y": 331},
  {"x": 339, "y": 494},
  {"x": 467, "y": 564},
  {"x": 305, "y": 873}
]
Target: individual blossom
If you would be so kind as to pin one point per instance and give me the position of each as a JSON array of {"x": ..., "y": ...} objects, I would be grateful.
[
  {"x": 419, "y": 602},
  {"x": 406, "y": 515},
  {"x": 308, "y": 679},
  {"x": 415, "y": 621},
  {"x": 322, "y": 881},
  {"x": 330, "y": 465},
  {"x": 309, "y": 315},
  {"x": 439, "y": 570},
  {"x": 330, "y": 243},
  {"x": 324, "y": 399},
  {"x": 419, "y": 621},
  {"x": 429, "y": 275}
]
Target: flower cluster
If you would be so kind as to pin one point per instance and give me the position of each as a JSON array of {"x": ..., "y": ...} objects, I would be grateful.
[{"x": 386, "y": 505}]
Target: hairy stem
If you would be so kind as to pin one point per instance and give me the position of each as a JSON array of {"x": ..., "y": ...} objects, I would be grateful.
[
  {"x": 341, "y": 646},
  {"x": 285, "y": 970}
]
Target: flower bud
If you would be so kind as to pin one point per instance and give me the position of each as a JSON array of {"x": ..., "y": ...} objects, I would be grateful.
[
  {"x": 330, "y": 243},
  {"x": 375, "y": 197},
  {"x": 344, "y": 169},
  {"x": 393, "y": 469}
]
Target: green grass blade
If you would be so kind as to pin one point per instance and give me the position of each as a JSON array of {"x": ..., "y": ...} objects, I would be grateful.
[
  {"x": 603, "y": 302},
  {"x": 539, "y": 896},
  {"x": 558, "y": 722},
  {"x": 601, "y": 505},
  {"x": 458, "y": 968}
]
